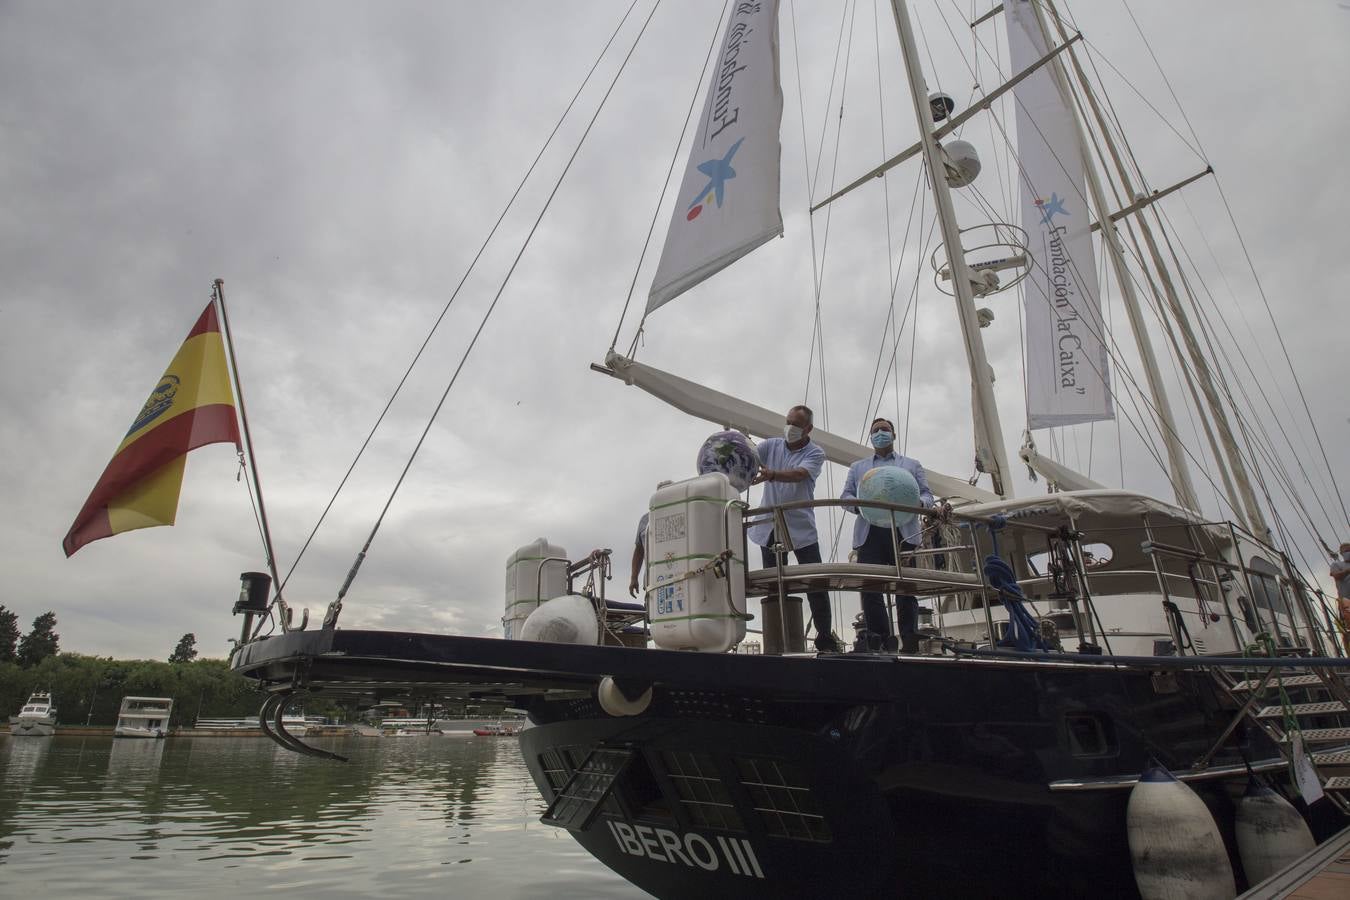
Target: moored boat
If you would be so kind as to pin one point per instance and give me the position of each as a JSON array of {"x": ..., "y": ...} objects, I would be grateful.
[
  {"x": 36, "y": 718},
  {"x": 143, "y": 717}
]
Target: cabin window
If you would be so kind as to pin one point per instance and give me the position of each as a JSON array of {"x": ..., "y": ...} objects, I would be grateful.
[
  {"x": 702, "y": 794},
  {"x": 558, "y": 766},
  {"x": 1265, "y": 580},
  {"x": 783, "y": 799},
  {"x": 1095, "y": 556},
  {"x": 1089, "y": 734}
]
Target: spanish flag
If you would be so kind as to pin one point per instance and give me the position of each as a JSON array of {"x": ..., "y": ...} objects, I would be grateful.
[{"x": 192, "y": 405}]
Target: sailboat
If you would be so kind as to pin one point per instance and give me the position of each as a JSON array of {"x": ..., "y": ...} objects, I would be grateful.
[{"x": 1078, "y": 640}]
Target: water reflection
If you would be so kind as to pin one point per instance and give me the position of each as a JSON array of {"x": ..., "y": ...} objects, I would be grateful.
[
  {"x": 134, "y": 760},
  {"x": 406, "y": 817}
]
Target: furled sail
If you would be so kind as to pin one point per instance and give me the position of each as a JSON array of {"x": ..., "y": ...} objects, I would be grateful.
[
  {"x": 1068, "y": 380},
  {"x": 728, "y": 200}
]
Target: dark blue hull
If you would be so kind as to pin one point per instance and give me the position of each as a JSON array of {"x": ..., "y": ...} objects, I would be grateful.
[{"x": 868, "y": 775}]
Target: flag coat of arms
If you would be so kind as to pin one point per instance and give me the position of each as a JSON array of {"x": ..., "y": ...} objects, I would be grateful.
[{"x": 192, "y": 405}]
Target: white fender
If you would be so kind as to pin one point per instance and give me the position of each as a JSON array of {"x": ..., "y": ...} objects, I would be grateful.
[
  {"x": 615, "y": 703},
  {"x": 1271, "y": 834},
  {"x": 1175, "y": 846},
  {"x": 563, "y": 620}
]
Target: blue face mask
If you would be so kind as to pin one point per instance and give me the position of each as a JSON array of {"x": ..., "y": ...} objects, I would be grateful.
[{"x": 882, "y": 439}]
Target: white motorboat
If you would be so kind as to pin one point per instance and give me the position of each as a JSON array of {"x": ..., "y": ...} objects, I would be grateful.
[
  {"x": 37, "y": 718},
  {"x": 143, "y": 717}
]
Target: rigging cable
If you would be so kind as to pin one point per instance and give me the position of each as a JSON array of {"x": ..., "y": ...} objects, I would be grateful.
[
  {"x": 890, "y": 332},
  {"x": 886, "y": 204},
  {"x": 818, "y": 274},
  {"x": 1214, "y": 360},
  {"x": 819, "y": 322},
  {"x": 1156, "y": 418},
  {"x": 455, "y": 293},
  {"x": 1251, "y": 265},
  {"x": 356, "y": 565},
  {"x": 1207, "y": 330},
  {"x": 1242, "y": 424},
  {"x": 1261, "y": 444}
]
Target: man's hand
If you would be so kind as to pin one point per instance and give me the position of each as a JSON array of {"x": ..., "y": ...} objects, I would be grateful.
[
  {"x": 762, "y": 476},
  {"x": 633, "y": 588}
]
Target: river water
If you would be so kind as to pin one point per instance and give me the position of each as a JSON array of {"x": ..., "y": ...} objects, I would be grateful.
[{"x": 445, "y": 816}]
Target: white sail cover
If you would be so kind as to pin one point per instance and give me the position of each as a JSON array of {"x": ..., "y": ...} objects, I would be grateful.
[
  {"x": 1068, "y": 380},
  {"x": 728, "y": 201}
]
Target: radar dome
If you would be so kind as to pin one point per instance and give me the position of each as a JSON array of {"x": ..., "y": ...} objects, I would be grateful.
[
  {"x": 562, "y": 620},
  {"x": 732, "y": 454},
  {"x": 962, "y": 163},
  {"x": 888, "y": 484}
]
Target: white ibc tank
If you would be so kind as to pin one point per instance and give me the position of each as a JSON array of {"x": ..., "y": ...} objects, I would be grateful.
[
  {"x": 526, "y": 588},
  {"x": 691, "y": 523}
]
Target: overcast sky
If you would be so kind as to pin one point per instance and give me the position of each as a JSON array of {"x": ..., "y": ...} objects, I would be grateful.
[{"x": 338, "y": 164}]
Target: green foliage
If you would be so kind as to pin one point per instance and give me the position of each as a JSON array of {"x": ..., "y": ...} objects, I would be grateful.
[
  {"x": 186, "y": 651},
  {"x": 41, "y": 642},
  {"x": 9, "y": 634},
  {"x": 89, "y": 689}
]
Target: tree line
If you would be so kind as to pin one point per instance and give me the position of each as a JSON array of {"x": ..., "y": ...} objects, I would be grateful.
[{"x": 88, "y": 690}]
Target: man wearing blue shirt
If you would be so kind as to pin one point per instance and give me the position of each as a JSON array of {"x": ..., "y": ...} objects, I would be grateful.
[
  {"x": 790, "y": 466},
  {"x": 875, "y": 545}
]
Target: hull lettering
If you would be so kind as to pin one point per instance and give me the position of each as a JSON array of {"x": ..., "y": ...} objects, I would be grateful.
[{"x": 691, "y": 850}]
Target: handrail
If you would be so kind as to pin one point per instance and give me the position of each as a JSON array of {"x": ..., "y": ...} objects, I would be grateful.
[
  {"x": 1208, "y": 552},
  {"x": 896, "y": 507}
]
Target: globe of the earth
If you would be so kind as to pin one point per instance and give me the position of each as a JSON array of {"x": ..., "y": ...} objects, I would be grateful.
[
  {"x": 888, "y": 484},
  {"x": 732, "y": 454}
]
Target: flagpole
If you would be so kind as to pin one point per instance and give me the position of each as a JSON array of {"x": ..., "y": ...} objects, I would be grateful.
[{"x": 285, "y": 616}]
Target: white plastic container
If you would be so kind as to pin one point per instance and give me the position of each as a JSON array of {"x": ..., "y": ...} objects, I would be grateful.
[
  {"x": 526, "y": 588},
  {"x": 691, "y": 523}
]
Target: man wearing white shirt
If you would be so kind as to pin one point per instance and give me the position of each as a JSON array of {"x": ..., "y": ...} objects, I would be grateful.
[
  {"x": 875, "y": 545},
  {"x": 790, "y": 466}
]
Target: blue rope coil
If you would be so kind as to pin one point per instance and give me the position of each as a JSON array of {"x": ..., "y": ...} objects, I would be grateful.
[{"x": 1023, "y": 631}]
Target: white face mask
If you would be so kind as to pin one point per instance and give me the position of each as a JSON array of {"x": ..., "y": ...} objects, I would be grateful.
[{"x": 792, "y": 433}]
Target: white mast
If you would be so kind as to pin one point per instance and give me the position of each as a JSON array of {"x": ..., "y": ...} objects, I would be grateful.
[
  {"x": 989, "y": 449},
  {"x": 1179, "y": 471}
]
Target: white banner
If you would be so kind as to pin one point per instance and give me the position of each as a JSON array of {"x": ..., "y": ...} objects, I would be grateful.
[
  {"x": 728, "y": 201},
  {"x": 1068, "y": 380}
]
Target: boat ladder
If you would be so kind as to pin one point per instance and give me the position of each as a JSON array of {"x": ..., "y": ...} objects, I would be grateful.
[{"x": 1310, "y": 702}]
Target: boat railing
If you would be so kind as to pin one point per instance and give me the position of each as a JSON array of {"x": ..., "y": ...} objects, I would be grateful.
[
  {"x": 614, "y": 618},
  {"x": 1213, "y": 565},
  {"x": 905, "y": 576}
]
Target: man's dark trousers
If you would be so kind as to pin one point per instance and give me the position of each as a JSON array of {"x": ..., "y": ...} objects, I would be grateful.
[
  {"x": 818, "y": 600},
  {"x": 878, "y": 549}
]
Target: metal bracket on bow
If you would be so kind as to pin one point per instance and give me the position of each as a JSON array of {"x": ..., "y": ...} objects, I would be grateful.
[{"x": 270, "y": 718}]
